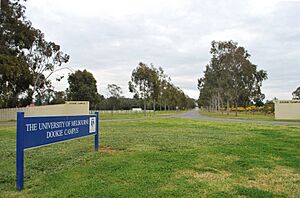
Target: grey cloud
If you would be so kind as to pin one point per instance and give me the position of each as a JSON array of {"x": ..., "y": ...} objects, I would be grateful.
[{"x": 179, "y": 41}]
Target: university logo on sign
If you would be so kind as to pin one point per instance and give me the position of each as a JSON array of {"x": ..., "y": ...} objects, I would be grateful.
[{"x": 92, "y": 124}]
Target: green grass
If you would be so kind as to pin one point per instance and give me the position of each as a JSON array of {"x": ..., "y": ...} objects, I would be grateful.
[
  {"x": 161, "y": 158},
  {"x": 120, "y": 116},
  {"x": 7, "y": 122},
  {"x": 115, "y": 116},
  {"x": 244, "y": 116},
  {"x": 241, "y": 115}
]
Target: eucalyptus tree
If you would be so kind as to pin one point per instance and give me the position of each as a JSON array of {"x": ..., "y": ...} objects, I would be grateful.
[
  {"x": 165, "y": 92},
  {"x": 115, "y": 93},
  {"x": 27, "y": 60},
  {"x": 142, "y": 82},
  {"x": 230, "y": 77},
  {"x": 247, "y": 80},
  {"x": 152, "y": 83},
  {"x": 155, "y": 84},
  {"x": 45, "y": 58},
  {"x": 17, "y": 36},
  {"x": 163, "y": 80}
]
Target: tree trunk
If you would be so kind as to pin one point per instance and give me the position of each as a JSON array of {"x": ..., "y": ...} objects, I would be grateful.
[
  {"x": 235, "y": 104},
  {"x": 154, "y": 106},
  {"x": 144, "y": 106},
  {"x": 227, "y": 107},
  {"x": 218, "y": 101}
]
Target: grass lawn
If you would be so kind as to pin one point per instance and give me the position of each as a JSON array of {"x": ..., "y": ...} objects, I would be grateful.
[
  {"x": 161, "y": 158},
  {"x": 114, "y": 116},
  {"x": 120, "y": 116},
  {"x": 244, "y": 116},
  {"x": 241, "y": 115},
  {"x": 7, "y": 122}
]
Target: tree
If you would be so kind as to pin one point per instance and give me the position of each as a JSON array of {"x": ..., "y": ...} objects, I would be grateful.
[
  {"x": 27, "y": 60},
  {"x": 152, "y": 83},
  {"x": 160, "y": 87},
  {"x": 83, "y": 86},
  {"x": 296, "y": 94},
  {"x": 155, "y": 83},
  {"x": 115, "y": 93},
  {"x": 15, "y": 79},
  {"x": 59, "y": 97},
  {"x": 44, "y": 58},
  {"x": 165, "y": 91},
  {"x": 230, "y": 78},
  {"x": 140, "y": 83},
  {"x": 17, "y": 36},
  {"x": 148, "y": 83}
]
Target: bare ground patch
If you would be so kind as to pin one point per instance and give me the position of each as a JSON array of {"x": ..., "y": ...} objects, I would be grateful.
[{"x": 107, "y": 149}]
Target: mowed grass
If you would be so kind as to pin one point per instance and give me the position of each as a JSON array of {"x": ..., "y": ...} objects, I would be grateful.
[
  {"x": 125, "y": 115},
  {"x": 161, "y": 158},
  {"x": 244, "y": 116},
  {"x": 134, "y": 115},
  {"x": 241, "y": 115}
]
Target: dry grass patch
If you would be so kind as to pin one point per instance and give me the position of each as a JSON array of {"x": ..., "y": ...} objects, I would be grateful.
[
  {"x": 206, "y": 160},
  {"x": 168, "y": 187},
  {"x": 280, "y": 180},
  {"x": 204, "y": 176}
]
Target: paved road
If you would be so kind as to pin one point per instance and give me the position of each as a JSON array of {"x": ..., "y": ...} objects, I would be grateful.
[{"x": 194, "y": 114}]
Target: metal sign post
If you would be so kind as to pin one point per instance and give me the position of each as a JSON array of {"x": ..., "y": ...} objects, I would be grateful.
[
  {"x": 20, "y": 152},
  {"x": 34, "y": 132}
]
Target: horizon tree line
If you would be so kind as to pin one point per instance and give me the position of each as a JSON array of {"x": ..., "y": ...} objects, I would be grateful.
[
  {"x": 28, "y": 61},
  {"x": 151, "y": 84},
  {"x": 83, "y": 86}
]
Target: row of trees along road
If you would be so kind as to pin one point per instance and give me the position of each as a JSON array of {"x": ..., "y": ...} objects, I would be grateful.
[
  {"x": 230, "y": 79},
  {"x": 152, "y": 84},
  {"x": 27, "y": 60}
]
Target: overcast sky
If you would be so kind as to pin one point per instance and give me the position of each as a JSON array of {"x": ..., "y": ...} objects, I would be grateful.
[{"x": 110, "y": 38}]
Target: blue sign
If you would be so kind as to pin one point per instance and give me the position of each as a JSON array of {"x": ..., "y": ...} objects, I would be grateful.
[{"x": 34, "y": 132}]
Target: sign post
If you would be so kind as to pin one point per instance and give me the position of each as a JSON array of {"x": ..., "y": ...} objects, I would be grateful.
[
  {"x": 20, "y": 152},
  {"x": 33, "y": 132},
  {"x": 97, "y": 134}
]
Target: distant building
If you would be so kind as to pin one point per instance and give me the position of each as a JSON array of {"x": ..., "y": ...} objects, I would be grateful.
[
  {"x": 136, "y": 109},
  {"x": 287, "y": 109}
]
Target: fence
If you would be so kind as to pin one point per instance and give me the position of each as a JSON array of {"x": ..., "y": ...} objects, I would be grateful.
[{"x": 69, "y": 108}]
